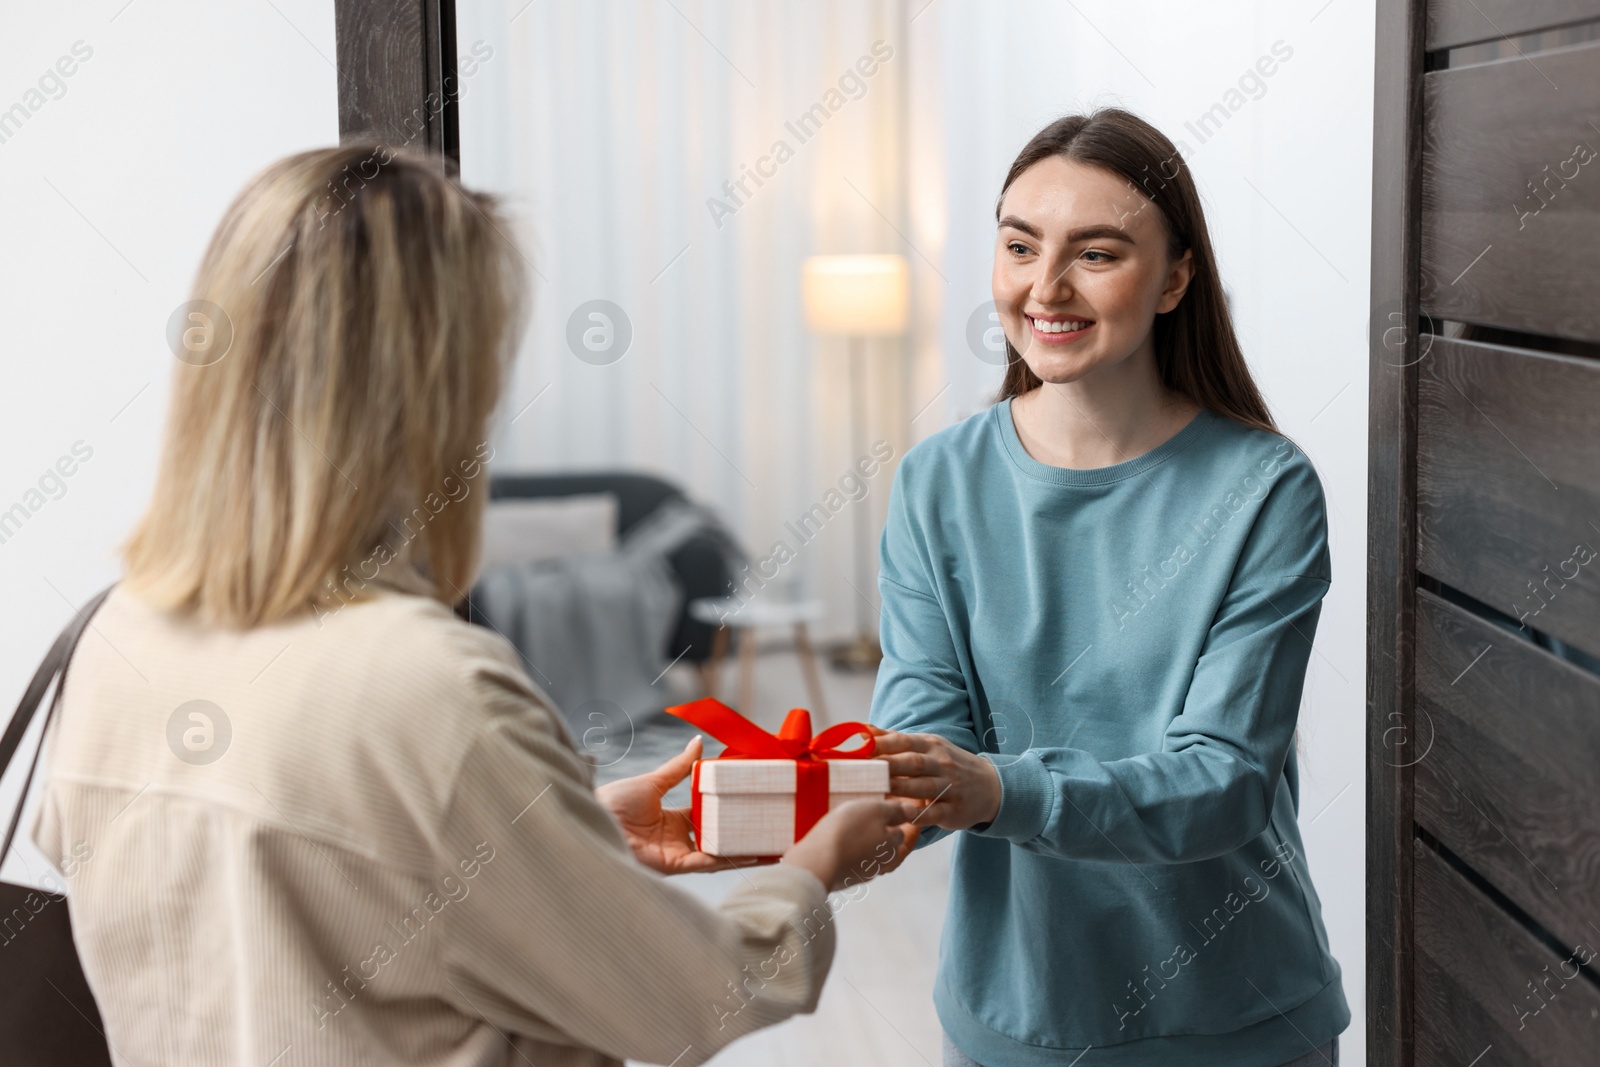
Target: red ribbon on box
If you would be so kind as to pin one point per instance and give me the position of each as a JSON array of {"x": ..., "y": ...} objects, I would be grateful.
[{"x": 746, "y": 740}]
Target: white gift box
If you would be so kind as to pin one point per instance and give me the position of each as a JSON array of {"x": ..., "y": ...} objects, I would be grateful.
[{"x": 747, "y": 805}]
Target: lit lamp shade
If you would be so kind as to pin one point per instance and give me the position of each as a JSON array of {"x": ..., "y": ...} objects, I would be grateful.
[{"x": 857, "y": 296}]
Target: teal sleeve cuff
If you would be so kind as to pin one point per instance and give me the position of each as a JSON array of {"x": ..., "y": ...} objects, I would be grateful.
[{"x": 1027, "y": 797}]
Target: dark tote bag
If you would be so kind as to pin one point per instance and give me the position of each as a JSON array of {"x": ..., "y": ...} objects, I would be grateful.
[{"x": 47, "y": 1014}]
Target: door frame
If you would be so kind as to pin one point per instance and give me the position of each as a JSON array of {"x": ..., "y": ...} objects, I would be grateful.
[{"x": 396, "y": 64}]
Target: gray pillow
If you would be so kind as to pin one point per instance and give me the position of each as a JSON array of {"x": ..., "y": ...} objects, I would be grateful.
[{"x": 528, "y": 531}]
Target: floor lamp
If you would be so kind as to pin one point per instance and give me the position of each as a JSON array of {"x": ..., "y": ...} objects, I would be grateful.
[{"x": 857, "y": 297}]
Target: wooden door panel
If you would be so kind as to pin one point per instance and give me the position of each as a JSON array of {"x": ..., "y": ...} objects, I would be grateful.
[
  {"x": 1508, "y": 482},
  {"x": 1488, "y": 992},
  {"x": 1452, "y": 23},
  {"x": 1511, "y": 193},
  {"x": 1508, "y": 764}
]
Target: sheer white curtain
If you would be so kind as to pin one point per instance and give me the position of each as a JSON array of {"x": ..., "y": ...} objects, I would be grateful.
[{"x": 679, "y": 159}]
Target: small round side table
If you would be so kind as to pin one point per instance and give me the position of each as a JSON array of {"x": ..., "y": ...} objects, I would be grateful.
[{"x": 729, "y": 613}]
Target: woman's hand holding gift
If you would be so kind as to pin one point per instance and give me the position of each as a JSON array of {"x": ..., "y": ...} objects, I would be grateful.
[
  {"x": 856, "y": 842},
  {"x": 961, "y": 789},
  {"x": 661, "y": 838}
]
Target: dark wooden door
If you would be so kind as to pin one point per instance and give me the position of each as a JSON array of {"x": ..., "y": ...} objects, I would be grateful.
[{"x": 1484, "y": 522}]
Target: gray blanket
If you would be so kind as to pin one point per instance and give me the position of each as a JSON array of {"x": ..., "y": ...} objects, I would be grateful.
[{"x": 593, "y": 630}]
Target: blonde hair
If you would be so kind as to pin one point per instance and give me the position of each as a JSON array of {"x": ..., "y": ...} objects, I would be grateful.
[{"x": 351, "y": 326}]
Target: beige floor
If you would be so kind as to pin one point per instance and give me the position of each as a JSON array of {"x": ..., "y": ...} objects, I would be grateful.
[{"x": 876, "y": 1010}]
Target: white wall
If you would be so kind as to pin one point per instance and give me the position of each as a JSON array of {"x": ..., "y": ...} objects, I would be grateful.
[{"x": 110, "y": 193}]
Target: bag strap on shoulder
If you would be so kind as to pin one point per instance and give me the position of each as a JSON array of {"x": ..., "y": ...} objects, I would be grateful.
[{"x": 52, "y": 669}]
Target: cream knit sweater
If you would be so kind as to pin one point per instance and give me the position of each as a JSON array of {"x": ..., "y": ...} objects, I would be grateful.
[{"x": 396, "y": 858}]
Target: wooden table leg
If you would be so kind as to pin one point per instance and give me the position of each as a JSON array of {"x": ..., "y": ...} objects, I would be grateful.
[
  {"x": 808, "y": 664},
  {"x": 711, "y": 669},
  {"x": 747, "y": 670}
]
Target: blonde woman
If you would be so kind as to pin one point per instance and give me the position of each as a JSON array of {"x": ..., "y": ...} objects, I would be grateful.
[{"x": 312, "y": 816}]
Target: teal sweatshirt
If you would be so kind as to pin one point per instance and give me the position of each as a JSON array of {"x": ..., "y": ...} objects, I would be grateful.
[{"x": 1127, "y": 645}]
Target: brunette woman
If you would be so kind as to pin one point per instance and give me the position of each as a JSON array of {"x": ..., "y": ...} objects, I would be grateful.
[{"x": 1099, "y": 597}]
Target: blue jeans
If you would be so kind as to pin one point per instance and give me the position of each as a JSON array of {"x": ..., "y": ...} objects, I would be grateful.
[{"x": 1326, "y": 1056}]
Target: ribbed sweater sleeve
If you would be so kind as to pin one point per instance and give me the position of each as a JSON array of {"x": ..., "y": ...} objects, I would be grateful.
[{"x": 564, "y": 925}]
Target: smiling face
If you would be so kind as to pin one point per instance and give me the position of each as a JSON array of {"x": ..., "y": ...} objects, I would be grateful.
[{"x": 1081, "y": 269}]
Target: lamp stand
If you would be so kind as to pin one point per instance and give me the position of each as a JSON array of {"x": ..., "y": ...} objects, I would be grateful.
[{"x": 862, "y": 653}]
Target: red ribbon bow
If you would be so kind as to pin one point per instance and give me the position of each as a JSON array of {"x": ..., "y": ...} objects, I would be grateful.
[{"x": 746, "y": 740}]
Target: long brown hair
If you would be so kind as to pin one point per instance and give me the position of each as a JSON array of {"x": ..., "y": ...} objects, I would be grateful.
[
  {"x": 1197, "y": 352},
  {"x": 353, "y": 321}
]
